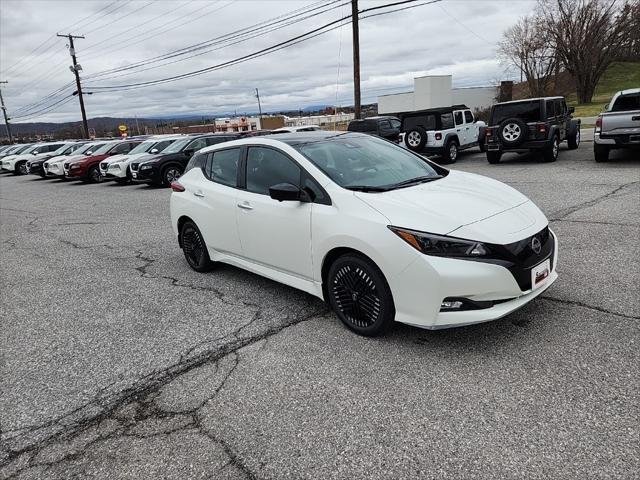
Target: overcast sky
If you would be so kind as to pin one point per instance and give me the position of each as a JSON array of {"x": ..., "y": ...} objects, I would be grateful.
[{"x": 455, "y": 37}]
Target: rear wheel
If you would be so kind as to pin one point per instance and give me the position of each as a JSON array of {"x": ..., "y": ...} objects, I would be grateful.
[
  {"x": 359, "y": 294},
  {"x": 601, "y": 152},
  {"x": 21, "y": 169},
  {"x": 170, "y": 174},
  {"x": 194, "y": 248},
  {"x": 550, "y": 153},
  {"x": 450, "y": 154},
  {"x": 494, "y": 157}
]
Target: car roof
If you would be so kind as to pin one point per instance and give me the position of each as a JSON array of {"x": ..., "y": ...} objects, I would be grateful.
[
  {"x": 629, "y": 91},
  {"x": 531, "y": 100},
  {"x": 377, "y": 117},
  {"x": 436, "y": 110}
]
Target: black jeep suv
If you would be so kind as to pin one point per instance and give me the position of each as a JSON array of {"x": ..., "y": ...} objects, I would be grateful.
[
  {"x": 382, "y": 126},
  {"x": 534, "y": 124}
]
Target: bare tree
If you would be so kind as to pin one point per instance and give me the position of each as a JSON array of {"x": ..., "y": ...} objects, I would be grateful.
[
  {"x": 588, "y": 35},
  {"x": 525, "y": 47}
]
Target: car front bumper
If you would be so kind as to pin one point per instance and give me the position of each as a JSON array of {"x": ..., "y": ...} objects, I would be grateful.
[
  {"x": 149, "y": 175},
  {"x": 421, "y": 288}
]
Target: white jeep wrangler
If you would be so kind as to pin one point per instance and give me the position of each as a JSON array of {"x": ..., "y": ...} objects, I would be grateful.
[{"x": 442, "y": 131}]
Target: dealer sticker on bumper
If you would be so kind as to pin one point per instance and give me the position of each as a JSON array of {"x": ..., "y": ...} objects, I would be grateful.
[{"x": 540, "y": 273}]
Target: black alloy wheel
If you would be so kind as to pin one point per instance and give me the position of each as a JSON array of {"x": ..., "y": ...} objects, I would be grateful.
[
  {"x": 550, "y": 153},
  {"x": 360, "y": 296},
  {"x": 450, "y": 152},
  {"x": 194, "y": 248},
  {"x": 21, "y": 169},
  {"x": 94, "y": 175}
]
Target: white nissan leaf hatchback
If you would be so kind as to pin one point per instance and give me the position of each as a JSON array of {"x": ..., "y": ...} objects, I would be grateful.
[{"x": 377, "y": 231}]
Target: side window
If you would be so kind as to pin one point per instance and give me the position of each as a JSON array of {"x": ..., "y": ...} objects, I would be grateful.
[
  {"x": 197, "y": 144},
  {"x": 561, "y": 107},
  {"x": 314, "y": 190},
  {"x": 162, "y": 145},
  {"x": 458, "y": 118},
  {"x": 468, "y": 116},
  {"x": 447, "y": 120},
  {"x": 122, "y": 148},
  {"x": 395, "y": 124},
  {"x": 267, "y": 167},
  {"x": 551, "y": 110},
  {"x": 222, "y": 166},
  {"x": 385, "y": 125}
]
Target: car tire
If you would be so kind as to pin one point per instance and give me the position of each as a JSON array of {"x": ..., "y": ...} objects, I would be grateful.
[
  {"x": 450, "y": 152},
  {"x": 494, "y": 157},
  {"x": 573, "y": 140},
  {"x": 415, "y": 139},
  {"x": 170, "y": 174},
  {"x": 601, "y": 153},
  {"x": 21, "y": 168},
  {"x": 194, "y": 248},
  {"x": 359, "y": 295},
  {"x": 94, "y": 175},
  {"x": 483, "y": 146},
  {"x": 512, "y": 132},
  {"x": 550, "y": 152}
]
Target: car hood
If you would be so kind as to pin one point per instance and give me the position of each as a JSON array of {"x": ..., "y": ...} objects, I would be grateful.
[
  {"x": 59, "y": 158},
  {"x": 9, "y": 157},
  {"x": 448, "y": 204}
]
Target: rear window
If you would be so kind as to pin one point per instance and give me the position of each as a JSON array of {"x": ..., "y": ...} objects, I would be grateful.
[
  {"x": 527, "y": 111},
  {"x": 365, "y": 126},
  {"x": 428, "y": 122},
  {"x": 626, "y": 102}
]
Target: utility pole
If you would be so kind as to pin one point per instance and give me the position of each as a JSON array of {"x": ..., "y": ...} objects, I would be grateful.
[
  {"x": 6, "y": 119},
  {"x": 259, "y": 106},
  {"x": 76, "y": 70},
  {"x": 356, "y": 58}
]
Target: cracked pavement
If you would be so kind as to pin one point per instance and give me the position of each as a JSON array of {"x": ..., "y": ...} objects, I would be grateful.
[{"x": 118, "y": 361}]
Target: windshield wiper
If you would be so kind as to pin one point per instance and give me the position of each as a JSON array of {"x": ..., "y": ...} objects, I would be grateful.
[
  {"x": 366, "y": 188},
  {"x": 415, "y": 181}
]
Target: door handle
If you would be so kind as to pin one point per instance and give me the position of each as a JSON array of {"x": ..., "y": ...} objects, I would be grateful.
[
  {"x": 199, "y": 194},
  {"x": 245, "y": 206},
  {"x": 636, "y": 118}
]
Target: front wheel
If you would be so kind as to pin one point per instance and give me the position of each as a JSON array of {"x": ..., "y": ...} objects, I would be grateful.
[
  {"x": 494, "y": 157},
  {"x": 450, "y": 154},
  {"x": 194, "y": 248},
  {"x": 359, "y": 294},
  {"x": 573, "y": 141},
  {"x": 94, "y": 175},
  {"x": 170, "y": 175},
  {"x": 550, "y": 153},
  {"x": 21, "y": 169}
]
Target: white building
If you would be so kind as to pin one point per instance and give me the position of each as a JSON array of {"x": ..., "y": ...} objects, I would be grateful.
[
  {"x": 436, "y": 91},
  {"x": 319, "y": 120}
]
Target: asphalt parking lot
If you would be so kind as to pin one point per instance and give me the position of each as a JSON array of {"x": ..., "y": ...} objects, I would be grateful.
[{"x": 118, "y": 361}]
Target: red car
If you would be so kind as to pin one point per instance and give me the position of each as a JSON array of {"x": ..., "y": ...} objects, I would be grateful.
[{"x": 88, "y": 168}]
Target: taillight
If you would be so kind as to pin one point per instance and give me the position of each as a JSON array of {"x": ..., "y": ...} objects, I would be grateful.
[
  {"x": 176, "y": 187},
  {"x": 488, "y": 132},
  {"x": 438, "y": 136},
  {"x": 598, "y": 124},
  {"x": 542, "y": 128}
]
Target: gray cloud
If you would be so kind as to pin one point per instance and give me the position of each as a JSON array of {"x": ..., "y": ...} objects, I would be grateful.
[{"x": 456, "y": 36}]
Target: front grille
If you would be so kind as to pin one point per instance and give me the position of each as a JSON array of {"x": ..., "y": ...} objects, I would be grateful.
[{"x": 519, "y": 257}]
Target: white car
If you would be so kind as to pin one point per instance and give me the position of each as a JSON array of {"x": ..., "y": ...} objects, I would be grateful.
[
  {"x": 54, "y": 166},
  {"x": 13, "y": 151},
  {"x": 117, "y": 167},
  {"x": 442, "y": 131},
  {"x": 302, "y": 128},
  {"x": 377, "y": 231},
  {"x": 18, "y": 163}
]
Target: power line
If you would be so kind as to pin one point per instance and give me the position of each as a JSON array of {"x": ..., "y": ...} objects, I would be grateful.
[{"x": 46, "y": 109}]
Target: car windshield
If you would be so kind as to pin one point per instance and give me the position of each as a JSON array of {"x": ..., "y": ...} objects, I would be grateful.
[
  {"x": 104, "y": 148},
  {"x": 31, "y": 149},
  {"x": 526, "y": 111},
  {"x": 367, "y": 163},
  {"x": 73, "y": 148},
  {"x": 177, "y": 145},
  {"x": 143, "y": 147},
  {"x": 61, "y": 150},
  {"x": 92, "y": 147}
]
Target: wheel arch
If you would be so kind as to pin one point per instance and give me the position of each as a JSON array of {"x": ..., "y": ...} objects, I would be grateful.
[
  {"x": 451, "y": 136},
  {"x": 181, "y": 221}
]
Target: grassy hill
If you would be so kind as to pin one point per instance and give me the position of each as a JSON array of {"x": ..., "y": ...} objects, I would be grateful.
[{"x": 619, "y": 76}]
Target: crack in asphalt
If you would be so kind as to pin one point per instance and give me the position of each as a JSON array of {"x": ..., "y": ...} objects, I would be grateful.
[
  {"x": 561, "y": 214},
  {"x": 595, "y": 222},
  {"x": 590, "y": 307},
  {"x": 141, "y": 394}
]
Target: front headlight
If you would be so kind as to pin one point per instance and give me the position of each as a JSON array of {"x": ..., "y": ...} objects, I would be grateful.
[
  {"x": 146, "y": 167},
  {"x": 441, "y": 246}
]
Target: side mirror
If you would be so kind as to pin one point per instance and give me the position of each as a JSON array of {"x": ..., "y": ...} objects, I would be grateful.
[
  {"x": 89, "y": 153},
  {"x": 286, "y": 192},
  {"x": 572, "y": 109},
  {"x": 153, "y": 150}
]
